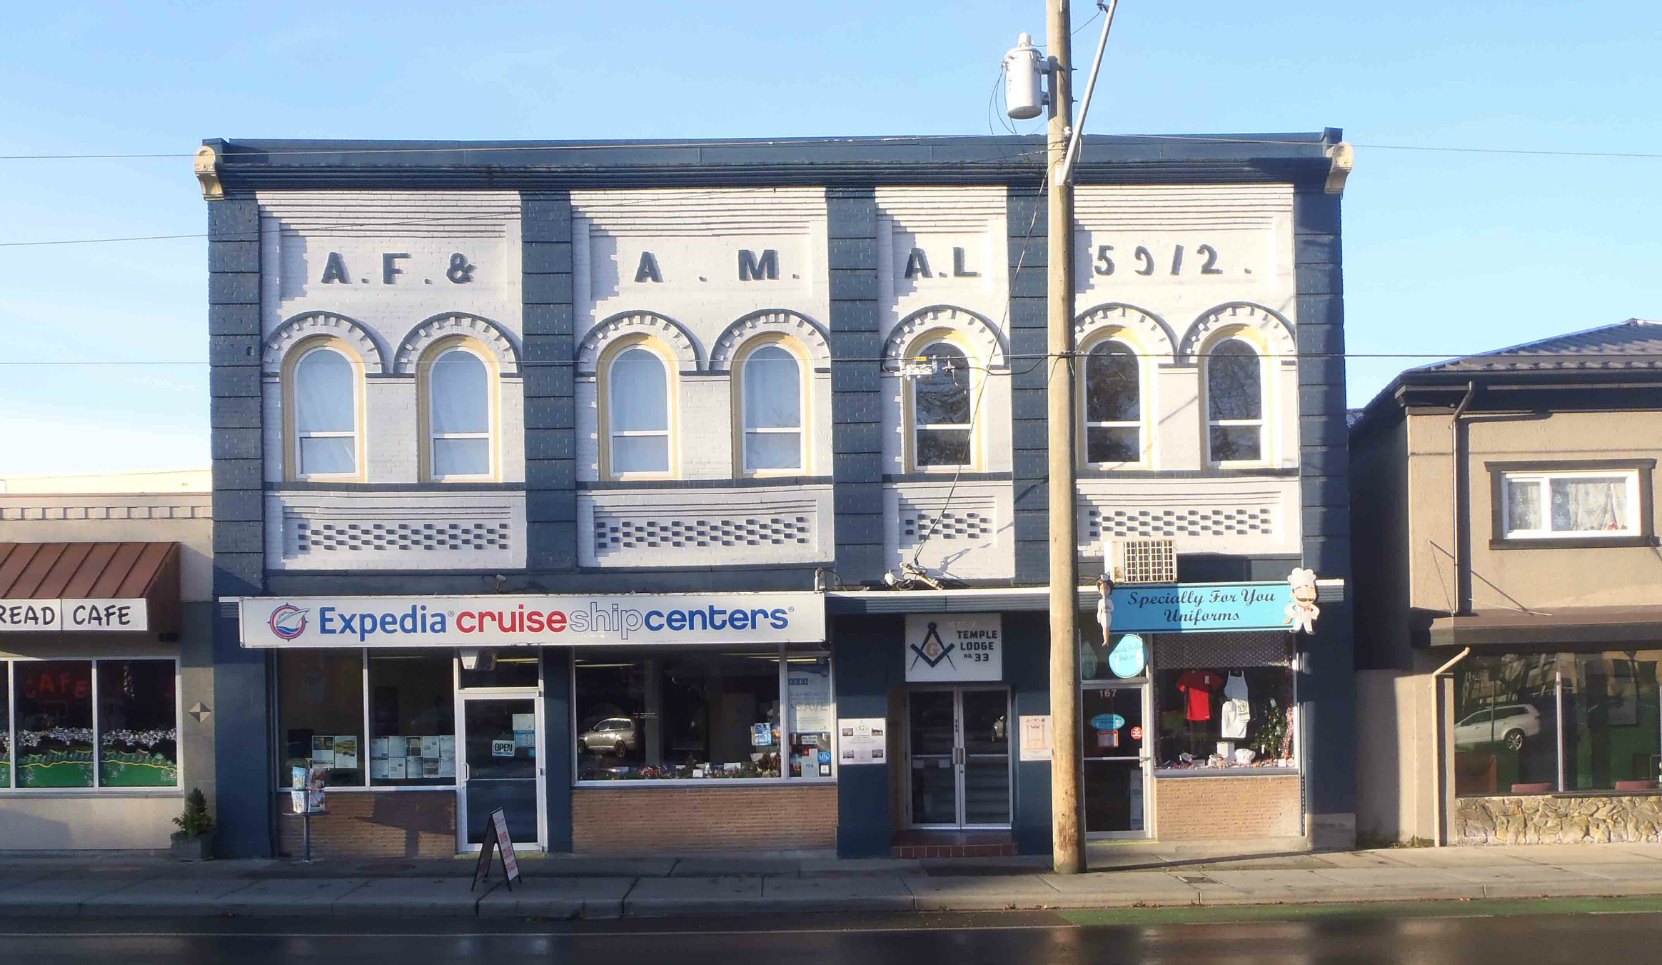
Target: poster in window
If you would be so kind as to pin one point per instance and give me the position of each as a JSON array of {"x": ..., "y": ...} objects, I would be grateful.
[
  {"x": 346, "y": 752},
  {"x": 809, "y": 687},
  {"x": 323, "y": 750}
]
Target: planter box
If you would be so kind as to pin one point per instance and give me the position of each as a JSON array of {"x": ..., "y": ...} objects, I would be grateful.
[{"x": 199, "y": 848}]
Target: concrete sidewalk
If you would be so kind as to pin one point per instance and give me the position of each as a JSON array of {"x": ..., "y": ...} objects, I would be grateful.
[{"x": 564, "y": 887}]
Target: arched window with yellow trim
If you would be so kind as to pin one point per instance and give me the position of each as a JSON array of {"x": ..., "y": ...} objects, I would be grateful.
[
  {"x": 942, "y": 407},
  {"x": 638, "y": 412},
  {"x": 325, "y": 395},
  {"x": 772, "y": 407},
  {"x": 458, "y": 387},
  {"x": 1112, "y": 402},
  {"x": 1234, "y": 402}
]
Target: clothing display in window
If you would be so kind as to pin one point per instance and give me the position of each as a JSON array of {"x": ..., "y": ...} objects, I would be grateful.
[
  {"x": 1199, "y": 686},
  {"x": 1236, "y": 710}
]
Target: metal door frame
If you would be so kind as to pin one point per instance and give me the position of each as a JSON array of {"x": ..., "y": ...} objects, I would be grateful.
[
  {"x": 1144, "y": 761},
  {"x": 463, "y": 698},
  {"x": 960, "y": 756}
]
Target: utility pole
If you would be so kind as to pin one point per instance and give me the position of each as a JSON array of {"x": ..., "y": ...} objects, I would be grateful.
[{"x": 1067, "y": 844}]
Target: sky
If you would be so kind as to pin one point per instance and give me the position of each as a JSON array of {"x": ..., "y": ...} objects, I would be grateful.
[{"x": 103, "y": 347}]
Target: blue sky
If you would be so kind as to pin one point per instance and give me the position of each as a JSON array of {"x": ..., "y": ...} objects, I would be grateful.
[{"x": 103, "y": 347}]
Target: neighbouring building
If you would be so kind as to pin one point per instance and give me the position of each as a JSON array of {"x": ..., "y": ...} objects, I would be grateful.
[
  {"x": 106, "y": 658},
  {"x": 1509, "y": 595},
  {"x": 676, "y": 497}
]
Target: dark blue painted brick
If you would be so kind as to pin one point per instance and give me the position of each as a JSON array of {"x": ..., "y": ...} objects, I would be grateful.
[
  {"x": 238, "y": 505},
  {"x": 234, "y": 350},
  {"x": 1326, "y": 521},
  {"x": 234, "y": 319},
  {"x": 234, "y": 288},
  {"x": 853, "y": 284},
  {"x": 234, "y": 220},
  {"x": 550, "y": 473},
  {"x": 235, "y": 256},
  {"x": 550, "y": 413},
  {"x": 1315, "y": 213},
  {"x": 1321, "y": 310},
  {"x": 859, "y": 254},
  {"x": 1316, "y": 249},
  {"x": 1321, "y": 340},
  {"x": 546, "y": 257},
  {"x": 851, "y": 315},
  {"x": 858, "y": 437},
  {"x": 238, "y": 474},
  {"x": 235, "y": 443},
  {"x": 550, "y": 444},
  {"x": 550, "y": 321},
  {"x": 549, "y": 380},
  {"x": 550, "y": 506},
  {"x": 233, "y": 536},
  {"x": 234, "y": 380},
  {"x": 238, "y": 412},
  {"x": 856, "y": 499},
  {"x": 547, "y": 289},
  {"x": 1320, "y": 280}
]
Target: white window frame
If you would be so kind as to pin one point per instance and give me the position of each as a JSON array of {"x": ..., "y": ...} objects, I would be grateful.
[
  {"x": 607, "y": 385},
  {"x": 430, "y": 398},
  {"x": 1543, "y": 487},
  {"x": 292, "y": 423},
  {"x": 914, "y": 426},
  {"x": 1144, "y": 432},
  {"x": 785, "y": 652},
  {"x": 8, "y": 677},
  {"x": 803, "y": 409},
  {"x": 1261, "y": 423}
]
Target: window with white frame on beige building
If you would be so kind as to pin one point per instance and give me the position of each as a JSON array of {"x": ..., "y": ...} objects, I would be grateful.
[{"x": 325, "y": 405}]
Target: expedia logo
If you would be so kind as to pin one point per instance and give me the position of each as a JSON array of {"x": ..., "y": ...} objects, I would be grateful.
[{"x": 288, "y": 621}]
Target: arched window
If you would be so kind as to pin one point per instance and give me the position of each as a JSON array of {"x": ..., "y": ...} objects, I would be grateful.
[
  {"x": 941, "y": 409},
  {"x": 770, "y": 400},
  {"x": 325, "y": 400},
  {"x": 1113, "y": 404},
  {"x": 637, "y": 413},
  {"x": 458, "y": 416},
  {"x": 1235, "y": 402}
]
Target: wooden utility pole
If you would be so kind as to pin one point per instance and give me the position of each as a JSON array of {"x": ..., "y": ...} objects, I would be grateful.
[{"x": 1067, "y": 843}]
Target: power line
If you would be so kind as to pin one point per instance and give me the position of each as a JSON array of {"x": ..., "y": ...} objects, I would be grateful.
[
  {"x": 856, "y": 360},
  {"x": 440, "y": 148}
]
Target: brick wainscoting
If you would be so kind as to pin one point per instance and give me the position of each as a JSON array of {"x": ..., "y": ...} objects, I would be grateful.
[
  {"x": 1244, "y": 806},
  {"x": 405, "y": 824},
  {"x": 650, "y": 820}
]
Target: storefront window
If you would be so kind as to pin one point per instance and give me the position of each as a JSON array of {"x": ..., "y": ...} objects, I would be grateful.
[
  {"x": 691, "y": 715},
  {"x": 321, "y": 712},
  {"x": 412, "y": 737},
  {"x": 53, "y": 701},
  {"x": 5, "y": 726},
  {"x": 1549, "y": 722},
  {"x": 1222, "y": 701},
  {"x": 137, "y": 724},
  {"x": 808, "y": 680}
]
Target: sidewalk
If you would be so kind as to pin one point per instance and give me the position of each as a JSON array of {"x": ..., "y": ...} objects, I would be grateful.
[{"x": 562, "y": 887}]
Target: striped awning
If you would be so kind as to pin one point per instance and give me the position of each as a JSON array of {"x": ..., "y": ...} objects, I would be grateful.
[{"x": 89, "y": 587}]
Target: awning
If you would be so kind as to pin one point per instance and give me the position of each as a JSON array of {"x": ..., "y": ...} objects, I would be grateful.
[
  {"x": 1560, "y": 626},
  {"x": 89, "y": 588}
]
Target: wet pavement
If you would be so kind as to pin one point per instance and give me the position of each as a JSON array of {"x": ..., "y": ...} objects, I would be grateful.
[{"x": 1034, "y": 937}]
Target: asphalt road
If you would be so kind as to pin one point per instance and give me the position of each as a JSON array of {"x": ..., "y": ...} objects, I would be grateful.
[{"x": 913, "y": 940}]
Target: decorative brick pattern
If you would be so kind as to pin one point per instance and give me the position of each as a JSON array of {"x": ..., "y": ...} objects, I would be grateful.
[
  {"x": 656, "y": 820},
  {"x": 336, "y": 537},
  {"x": 948, "y": 526},
  {"x": 402, "y": 824},
  {"x": 1194, "y": 521},
  {"x": 1220, "y": 808},
  {"x": 613, "y": 534}
]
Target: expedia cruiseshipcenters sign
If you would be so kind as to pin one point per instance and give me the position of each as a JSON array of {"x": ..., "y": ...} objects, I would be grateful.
[{"x": 500, "y": 621}]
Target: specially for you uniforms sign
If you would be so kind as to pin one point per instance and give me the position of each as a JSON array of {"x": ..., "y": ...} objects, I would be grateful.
[{"x": 948, "y": 648}]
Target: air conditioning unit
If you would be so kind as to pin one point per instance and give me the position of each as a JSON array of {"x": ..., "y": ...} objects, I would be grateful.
[{"x": 1141, "y": 560}]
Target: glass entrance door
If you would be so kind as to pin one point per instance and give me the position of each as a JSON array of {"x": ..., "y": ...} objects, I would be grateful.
[
  {"x": 1116, "y": 762},
  {"x": 501, "y": 768},
  {"x": 958, "y": 758}
]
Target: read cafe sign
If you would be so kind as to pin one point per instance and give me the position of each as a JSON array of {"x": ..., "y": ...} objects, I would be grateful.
[
  {"x": 74, "y": 616},
  {"x": 943, "y": 648}
]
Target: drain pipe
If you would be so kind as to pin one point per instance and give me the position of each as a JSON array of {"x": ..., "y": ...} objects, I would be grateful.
[
  {"x": 1437, "y": 743},
  {"x": 1458, "y": 493}
]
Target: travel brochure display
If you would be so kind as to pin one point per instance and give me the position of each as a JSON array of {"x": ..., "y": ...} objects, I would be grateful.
[
  {"x": 864, "y": 740},
  {"x": 428, "y": 757}
]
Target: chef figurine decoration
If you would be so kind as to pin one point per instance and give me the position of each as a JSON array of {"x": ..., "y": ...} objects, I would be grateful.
[
  {"x": 1105, "y": 606},
  {"x": 1302, "y": 612}
]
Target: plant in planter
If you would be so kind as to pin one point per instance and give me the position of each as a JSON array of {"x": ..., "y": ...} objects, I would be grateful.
[{"x": 194, "y": 841}]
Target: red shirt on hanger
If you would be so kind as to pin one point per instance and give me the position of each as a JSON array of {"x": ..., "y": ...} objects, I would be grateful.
[{"x": 1199, "y": 686}]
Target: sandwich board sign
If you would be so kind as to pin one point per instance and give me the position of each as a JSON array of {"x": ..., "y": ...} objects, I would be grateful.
[{"x": 497, "y": 838}]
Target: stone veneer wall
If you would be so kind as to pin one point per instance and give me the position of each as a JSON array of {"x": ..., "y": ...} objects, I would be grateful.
[{"x": 1548, "y": 819}]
